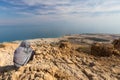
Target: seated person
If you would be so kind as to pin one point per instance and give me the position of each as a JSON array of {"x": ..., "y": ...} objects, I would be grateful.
[{"x": 23, "y": 54}]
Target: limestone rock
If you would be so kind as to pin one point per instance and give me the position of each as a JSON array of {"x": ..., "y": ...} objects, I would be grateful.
[
  {"x": 116, "y": 70},
  {"x": 61, "y": 61},
  {"x": 89, "y": 73}
]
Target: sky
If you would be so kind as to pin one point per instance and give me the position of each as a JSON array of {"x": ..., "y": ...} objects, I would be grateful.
[{"x": 93, "y": 15}]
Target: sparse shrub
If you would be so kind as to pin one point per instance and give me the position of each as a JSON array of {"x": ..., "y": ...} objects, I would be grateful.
[
  {"x": 116, "y": 44},
  {"x": 85, "y": 49},
  {"x": 97, "y": 39},
  {"x": 2, "y": 45},
  {"x": 102, "y": 49},
  {"x": 64, "y": 44},
  {"x": 53, "y": 44}
]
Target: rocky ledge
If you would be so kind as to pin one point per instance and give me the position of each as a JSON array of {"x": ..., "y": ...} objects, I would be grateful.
[{"x": 73, "y": 57}]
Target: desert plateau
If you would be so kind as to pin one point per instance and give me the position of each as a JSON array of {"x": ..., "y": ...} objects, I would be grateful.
[{"x": 70, "y": 57}]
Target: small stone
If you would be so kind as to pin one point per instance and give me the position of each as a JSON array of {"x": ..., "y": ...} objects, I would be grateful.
[
  {"x": 91, "y": 64},
  {"x": 68, "y": 61},
  {"x": 107, "y": 76},
  {"x": 32, "y": 76},
  {"x": 21, "y": 69},
  {"x": 47, "y": 76},
  {"x": 22, "y": 76},
  {"x": 116, "y": 70},
  {"x": 37, "y": 78},
  {"x": 89, "y": 73}
]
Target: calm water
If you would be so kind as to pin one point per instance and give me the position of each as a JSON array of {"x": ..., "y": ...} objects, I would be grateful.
[{"x": 12, "y": 33}]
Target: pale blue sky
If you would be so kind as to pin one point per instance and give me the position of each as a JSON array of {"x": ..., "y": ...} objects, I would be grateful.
[{"x": 94, "y": 15}]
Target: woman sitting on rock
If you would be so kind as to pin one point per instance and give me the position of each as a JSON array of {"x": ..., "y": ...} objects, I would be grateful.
[{"x": 23, "y": 54}]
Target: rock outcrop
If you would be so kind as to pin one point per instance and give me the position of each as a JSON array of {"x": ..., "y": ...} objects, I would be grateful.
[{"x": 61, "y": 60}]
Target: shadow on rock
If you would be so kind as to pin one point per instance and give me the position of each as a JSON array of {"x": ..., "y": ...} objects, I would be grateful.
[{"x": 7, "y": 68}]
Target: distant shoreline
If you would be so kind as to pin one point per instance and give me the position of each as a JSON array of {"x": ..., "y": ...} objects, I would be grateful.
[
  {"x": 82, "y": 34},
  {"x": 27, "y": 39}
]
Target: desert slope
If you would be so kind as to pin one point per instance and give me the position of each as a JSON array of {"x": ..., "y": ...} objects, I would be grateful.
[{"x": 65, "y": 58}]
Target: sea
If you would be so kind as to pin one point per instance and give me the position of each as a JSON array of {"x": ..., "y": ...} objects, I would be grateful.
[
  {"x": 24, "y": 32},
  {"x": 14, "y": 33}
]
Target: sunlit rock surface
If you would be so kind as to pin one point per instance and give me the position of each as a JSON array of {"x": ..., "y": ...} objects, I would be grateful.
[{"x": 65, "y": 58}]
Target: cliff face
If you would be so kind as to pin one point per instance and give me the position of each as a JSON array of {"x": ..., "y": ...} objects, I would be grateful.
[{"x": 59, "y": 59}]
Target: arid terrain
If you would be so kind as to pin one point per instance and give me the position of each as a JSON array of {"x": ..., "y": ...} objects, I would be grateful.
[{"x": 71, "y": 57}]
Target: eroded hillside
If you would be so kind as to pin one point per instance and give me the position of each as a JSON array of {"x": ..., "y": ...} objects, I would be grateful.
[{"x": 60, "y": 59}]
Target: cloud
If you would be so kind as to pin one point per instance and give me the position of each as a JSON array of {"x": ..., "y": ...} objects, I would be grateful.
[
  {"x": 74, "y": 14},
  {"x": 45, "y": 2},
  {"x": 61, "y": 7}
]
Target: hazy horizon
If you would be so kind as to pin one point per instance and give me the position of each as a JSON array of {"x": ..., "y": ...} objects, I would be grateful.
[{"x": 72, "y": 16}]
